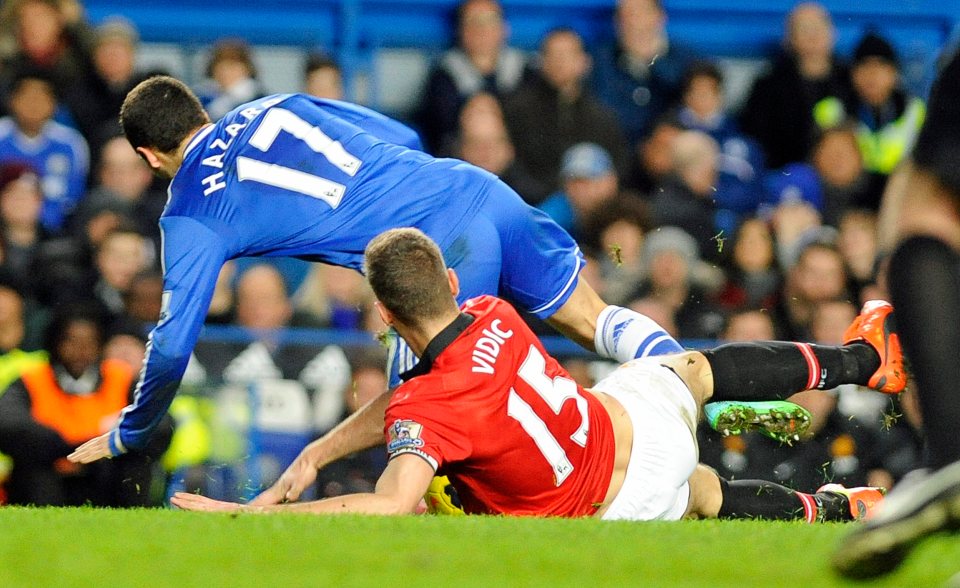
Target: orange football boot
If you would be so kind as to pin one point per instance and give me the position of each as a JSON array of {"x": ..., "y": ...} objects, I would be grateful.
[
  {"x": 876, "y": 327},
  {"x": 862, "y": 501}
]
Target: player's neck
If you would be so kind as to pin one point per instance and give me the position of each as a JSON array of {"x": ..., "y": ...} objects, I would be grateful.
[
  {"x": 182, "y": 148},
  {"x": 170, "y": 162},
  {"x": 419, "y": 337}
]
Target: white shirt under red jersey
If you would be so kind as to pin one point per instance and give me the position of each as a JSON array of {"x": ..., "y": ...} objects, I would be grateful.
[{"x": 489, "y": 408}]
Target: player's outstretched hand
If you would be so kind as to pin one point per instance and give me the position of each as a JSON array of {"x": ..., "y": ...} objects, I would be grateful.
[
  {"x": 92, "y": 450},
  {"x": 298, "y": 477},
  {"x": 189, "y": 501}
]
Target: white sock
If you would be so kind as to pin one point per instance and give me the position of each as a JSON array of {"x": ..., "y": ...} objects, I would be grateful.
[{"x": 623, "y": 334}]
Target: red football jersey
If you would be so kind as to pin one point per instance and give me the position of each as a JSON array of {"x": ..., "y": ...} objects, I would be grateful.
[{"x": 504, "y": 420}]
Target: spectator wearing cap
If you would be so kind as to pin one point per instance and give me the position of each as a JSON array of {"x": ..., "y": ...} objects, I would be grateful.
[
  {"x": 779, "y": 109},
  {"x": 678, "y": 278},
  {"x": 590, "y": 181},
  {"x": 58, "y": 153},
  {"x": 555, "y": 110},
  {"x": 793, "y": 203},
  {"x": 231, "y": 79},
  {"x": 887, "y": 118}
]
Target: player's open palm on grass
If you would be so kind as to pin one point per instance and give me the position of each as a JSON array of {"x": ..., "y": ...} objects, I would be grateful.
[
  {"x": 189, "y": 501},
  {"x": 297, "y": 477}
]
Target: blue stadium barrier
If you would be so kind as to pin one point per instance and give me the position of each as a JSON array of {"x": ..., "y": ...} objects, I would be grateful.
[
  {"x": 357, "y": 32},
  {"x": 721, "y": 27},
  {"x": 556, "y": 345}
]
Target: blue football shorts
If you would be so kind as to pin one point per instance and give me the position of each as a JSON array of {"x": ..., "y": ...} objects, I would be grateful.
[{"x": 515, "y": 251}]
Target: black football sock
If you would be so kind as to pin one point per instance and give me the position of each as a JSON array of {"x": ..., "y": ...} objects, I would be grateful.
[
  {"x": 924, "y": 283},
  {"x": 759, "y": 499},
  {"x": 775, "y": 370}
]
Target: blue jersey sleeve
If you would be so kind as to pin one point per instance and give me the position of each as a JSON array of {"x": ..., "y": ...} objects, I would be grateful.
[{"x": 193, "y": 254}]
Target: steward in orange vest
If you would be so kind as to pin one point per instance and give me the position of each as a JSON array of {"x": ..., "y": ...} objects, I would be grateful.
[
  {"x": 78, "y": 417},
  {"x": 59, "y": 404}
]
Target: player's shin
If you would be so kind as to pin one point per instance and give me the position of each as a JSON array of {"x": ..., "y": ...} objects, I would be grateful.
[
  {"x": 776, "y": 370},
  {"x": 623, "y": 334},
  {"x": 759, "y": 499}
]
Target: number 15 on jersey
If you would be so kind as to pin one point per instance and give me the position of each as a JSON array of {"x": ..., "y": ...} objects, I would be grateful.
[{"x": 555, "y": 392}]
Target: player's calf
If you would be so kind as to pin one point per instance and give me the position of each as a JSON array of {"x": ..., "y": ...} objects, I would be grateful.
[{"x": 759, "y": 499}]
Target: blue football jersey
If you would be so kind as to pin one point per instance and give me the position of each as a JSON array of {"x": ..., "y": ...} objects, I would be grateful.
[
  {"x": 60, "y": 156},
  {"x": 287, "y": 175}
]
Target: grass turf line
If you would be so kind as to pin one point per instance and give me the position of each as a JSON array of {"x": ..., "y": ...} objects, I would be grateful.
[{"x": 90, "y": 547}]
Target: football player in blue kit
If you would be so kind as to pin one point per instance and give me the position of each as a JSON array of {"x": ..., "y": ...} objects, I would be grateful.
[{"x": 292, "y": 175}]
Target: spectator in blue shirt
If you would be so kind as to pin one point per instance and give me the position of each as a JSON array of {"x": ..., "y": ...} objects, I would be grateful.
[
  {"x": 640, "y": 76},
  {"x": 740, "y": 165},
  {"x": 58, "y": 153}
]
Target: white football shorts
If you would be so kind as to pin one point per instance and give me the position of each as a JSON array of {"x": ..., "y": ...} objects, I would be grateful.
[{"x": 665, "y": 452}]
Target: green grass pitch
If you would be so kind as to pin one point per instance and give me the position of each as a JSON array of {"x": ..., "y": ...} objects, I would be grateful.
[{"x": 92, "y": 548}]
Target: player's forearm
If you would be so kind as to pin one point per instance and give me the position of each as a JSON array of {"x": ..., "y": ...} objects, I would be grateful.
[
  {"x": 361, "y": 430},
  {"x": 374, "y": 504}
]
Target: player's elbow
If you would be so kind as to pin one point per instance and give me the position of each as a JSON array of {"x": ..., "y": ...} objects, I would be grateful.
[{"x": 395, "y": 505}]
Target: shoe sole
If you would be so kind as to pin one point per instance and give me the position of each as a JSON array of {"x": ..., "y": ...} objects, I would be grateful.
[
  {"x": 872, "y": 552},
  {"x": 780, "y": 425}
]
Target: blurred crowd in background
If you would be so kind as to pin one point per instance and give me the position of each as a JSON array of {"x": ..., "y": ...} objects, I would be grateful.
[{"x": 720, "y": 225}]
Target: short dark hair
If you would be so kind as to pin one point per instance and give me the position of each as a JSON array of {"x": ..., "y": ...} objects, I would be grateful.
[
  {"x": 160, "y": 113},
  {"x": 65, "y": 316},
  {"x": 658, "y": 4},
  {"x": 232, "y": 50},
  {"x": 556, "y": 32},
  {"x": 701, "y": 69},
  {"x": 406, "y": 271},
  {"x": 316, "y": 61},
  {"x": 29, "y": 73}
]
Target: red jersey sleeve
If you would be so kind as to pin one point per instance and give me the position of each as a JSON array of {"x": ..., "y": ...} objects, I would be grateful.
[{"x": 419, "y": 421}]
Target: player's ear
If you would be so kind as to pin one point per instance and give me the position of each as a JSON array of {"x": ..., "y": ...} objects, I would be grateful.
[
  {"x": 385, "y": 315},
  {"x": 454, "y": 282},
  {"x": 149, "y": 156}
]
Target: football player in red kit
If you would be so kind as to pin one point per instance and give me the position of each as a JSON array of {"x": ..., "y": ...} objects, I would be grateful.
[{"x": 488, "y": 407}]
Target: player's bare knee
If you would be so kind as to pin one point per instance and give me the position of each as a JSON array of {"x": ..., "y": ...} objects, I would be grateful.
[
  {"x": 694, "y": 369},
  {"x": 706, "y": 494}
]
